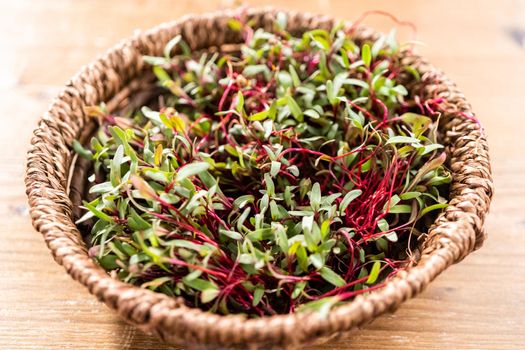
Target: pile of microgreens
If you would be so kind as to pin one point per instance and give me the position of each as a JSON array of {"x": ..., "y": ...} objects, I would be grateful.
[{"x": 290, "y": 174}]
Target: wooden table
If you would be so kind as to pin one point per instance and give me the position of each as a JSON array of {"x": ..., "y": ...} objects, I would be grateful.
[{"x": 478, "y": 304}]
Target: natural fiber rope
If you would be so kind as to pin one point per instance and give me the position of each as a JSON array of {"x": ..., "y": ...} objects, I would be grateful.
[{"x": 457, "y": 232}]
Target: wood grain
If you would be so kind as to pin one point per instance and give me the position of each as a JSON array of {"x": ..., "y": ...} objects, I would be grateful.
[{"x": 477, "y": 304}]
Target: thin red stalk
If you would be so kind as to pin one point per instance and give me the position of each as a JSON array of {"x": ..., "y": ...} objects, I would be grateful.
[
  {"x": 366, "y": 14},
  {"x": 347, "y": 295}
]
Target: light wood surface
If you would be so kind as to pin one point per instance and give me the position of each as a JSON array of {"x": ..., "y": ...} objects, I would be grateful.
[{"x": 477, "y": 304}]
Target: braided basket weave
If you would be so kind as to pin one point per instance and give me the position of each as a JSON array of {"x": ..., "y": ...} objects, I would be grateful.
[{"x": 120, "y": 78}]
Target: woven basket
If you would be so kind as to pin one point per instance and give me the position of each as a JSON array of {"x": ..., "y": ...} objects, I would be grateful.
[{"x": 120, "y": 78}]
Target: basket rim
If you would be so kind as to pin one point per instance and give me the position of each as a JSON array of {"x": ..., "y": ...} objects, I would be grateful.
[{"x": 457, "y": 232}]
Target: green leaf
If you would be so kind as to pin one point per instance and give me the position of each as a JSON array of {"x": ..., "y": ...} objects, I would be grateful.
[
  {"x": 374, "y": 273},
  {"x": 294, "y": 170},
  {"x": 392, "y": 41},
  {"x": 232, "y": 234},
  {"x": 357, "y": 82},
  {"x": 410, "y": 195},
  {"x": 129, "y": 249},
  {"x": 344, "y": 58},
  {"x": 136, "y": 222},
  {"x": 419, "y": 123},
  {"x": 325, "y": 229},
  {"x": 358, "y": 120},
  {"x": 145, "y": 190},
  {"x": 382, "y": 224},
  {"x": 382, "y": 244},
  {"x": 338, "y": 82},
  {"x": 307, "y": 224},
  {"x": 247, "y": 259},
  {"x": 272, "y": 112},
  {"x": 154, "y": 61},
  {"x": 166, "y": 121},
  {"x": 400, "y": 209},
  {"x": 199, "y": 284},
  {"x": 115, "y": 166},
  {"x": 157, "y": 175},
  {"x": 208, "y": 180},
  {"x": 331, "y": 277},
  {"x": 152, "y": 115},
  {"x": 366, "y": 55},
  {"x": 400, "y": 90},
  {"x": 281, "y": 20},
  {"x": 281, "y": 237},
  {"x": 378, "y": 45},
  {"x": 430, "y": 148},
  {"x": 274, "y": 210},
  {"x": 253, "y": 70},
  {"x": 98, "y": 213},
  {"x": 295, "y": 77},
  {"x": 235, "y": 24},
  {"x": 242, "y": 201},
  {"x": 392, "y": 202},
  {"x": 209, "y": 294},
  {"x": 161, "y": 74},
  {"x": 109, "y": 262},
  {"x": 348, "y": 198},
  {"x": 294, "y": 108},
  {"x": 275, "y": 167},
  {"x": 298, "y": 289},
  {"x": 259, "y": 116},
  {"x": 257, "y": 295},
  {"x": 83, "y": 152},
  {"x": 270, "y": 186},
  {"x": 312, "y": 113},
  {"x": 391, "y": 236},
  {"x": 402, "y": 139},
  {"x": 268, "y": 128},
  {"x": 439, "y": 180},
  {"x": 413, "y": 71},
  {"x": 122, "y": 139},
  {"x": 156, "y": 283},
  {"x": 315, "y": 196},
  {"x": 285, "y": 79},
  {"x": 317, "y": 260},
  {"x": 260, "y": 234},
  {"x": 191, "y": 169},
  {"x": 302, "y": 257},
  {"x": 432, "y": 208},
  {"x": 366, "y": 166},
  {"x": 330, "y": 93},
  {"x": 300, "y": 213},
  {"x": 194, "y": 274},
  {"x": 240, "y": 222},
  {"x": 170, "y": 45},
  {"x": 181, "y": 243},
  {"x": 240, "y": 102},
  {"x": 430, "y": 165}
]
